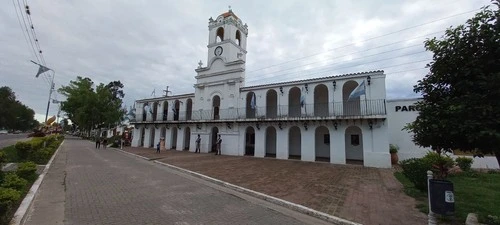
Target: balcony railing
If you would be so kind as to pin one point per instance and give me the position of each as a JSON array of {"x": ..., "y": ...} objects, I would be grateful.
[{"x": 356, "y": 108}]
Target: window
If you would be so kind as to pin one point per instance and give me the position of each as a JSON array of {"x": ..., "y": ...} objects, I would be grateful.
[
  {"x": 326, "y": 139},
  {"x": 354, "y": 139},
  {"x": 220, "y": 35},
  {"x": 238, "y": 38}
]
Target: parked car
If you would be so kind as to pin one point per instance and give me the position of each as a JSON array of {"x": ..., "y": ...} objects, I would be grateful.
[{"x": 4, "y": 132}]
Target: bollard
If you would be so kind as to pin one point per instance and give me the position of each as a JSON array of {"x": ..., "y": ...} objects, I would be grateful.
[{"x": 431, "y": 217}]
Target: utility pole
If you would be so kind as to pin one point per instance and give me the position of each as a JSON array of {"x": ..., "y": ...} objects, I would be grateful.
[{"x": 41, "y": 70}]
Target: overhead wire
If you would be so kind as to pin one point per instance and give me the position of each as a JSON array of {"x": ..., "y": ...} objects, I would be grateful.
[
  {"x": 268, "y": 78},
  {"x": 366, "y": 56},
  {"x": 368, "y": 39}
]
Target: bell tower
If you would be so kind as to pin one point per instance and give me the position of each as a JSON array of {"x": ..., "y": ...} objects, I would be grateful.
[
  {"x": 218, "y": 83},
  {"x": 227, "y": 37}
]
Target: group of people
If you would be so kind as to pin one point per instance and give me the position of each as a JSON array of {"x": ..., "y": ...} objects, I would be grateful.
[
  {"x": 98, "y": 142},
  {"x": 198, "y": 141}
]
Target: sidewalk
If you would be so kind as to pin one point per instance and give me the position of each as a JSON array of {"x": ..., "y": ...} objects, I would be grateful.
[{"x": 352, "y": 192}]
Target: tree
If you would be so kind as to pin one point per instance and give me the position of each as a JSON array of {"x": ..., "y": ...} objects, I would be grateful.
[
  {"x": 90, "y": 108},
  {"x": 13, "y": 114},
  {"x": 461, "y": 94}
]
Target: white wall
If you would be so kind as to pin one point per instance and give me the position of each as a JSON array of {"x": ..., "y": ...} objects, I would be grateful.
[{"x": 396, "y": 121}]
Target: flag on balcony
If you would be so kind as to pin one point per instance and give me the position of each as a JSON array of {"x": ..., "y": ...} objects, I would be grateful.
[
  {"x": 173, "y": 109},
  {"x": 302, "y": 100},
  {"x": 360, "y": 90},
  {"x": 252, "y": 101}
]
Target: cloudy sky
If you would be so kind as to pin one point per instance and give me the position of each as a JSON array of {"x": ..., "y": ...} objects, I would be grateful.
[{"x": 148, "y": 45}]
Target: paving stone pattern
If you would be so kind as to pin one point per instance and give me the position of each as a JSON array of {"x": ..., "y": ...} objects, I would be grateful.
[
  {"x": 352, "y": 192},
  {"x": 107, "y": 187}
]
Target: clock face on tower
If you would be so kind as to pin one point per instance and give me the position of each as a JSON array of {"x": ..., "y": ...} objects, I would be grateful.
[{"x": 218, "y": 51}]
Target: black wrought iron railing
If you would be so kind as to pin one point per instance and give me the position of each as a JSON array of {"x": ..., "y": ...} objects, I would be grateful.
[{"x": 322, "y": 110}]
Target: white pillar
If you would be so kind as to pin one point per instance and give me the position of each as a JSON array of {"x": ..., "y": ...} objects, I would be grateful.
[
  {"x": 337, "y": 145},
  {"x": 260, "y": 142},
  {"x": 307, "y": 146}
]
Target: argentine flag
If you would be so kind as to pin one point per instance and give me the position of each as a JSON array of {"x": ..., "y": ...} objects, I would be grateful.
[
  {"x": 173, "y": 109},
  {"x": 360, "y": 90},
  {"x": 252, "y": 101},
  {"x": 302, "y": 100}
]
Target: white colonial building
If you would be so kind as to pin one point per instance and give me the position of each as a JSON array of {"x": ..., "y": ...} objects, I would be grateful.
[{"x": 309, "y": 120}]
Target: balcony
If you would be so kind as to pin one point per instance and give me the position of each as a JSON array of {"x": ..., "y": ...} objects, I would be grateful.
[{"x": 331, "y": 110}]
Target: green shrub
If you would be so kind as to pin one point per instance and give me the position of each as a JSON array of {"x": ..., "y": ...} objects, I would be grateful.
[
  {"x": 37, "y": 143},
  {"x": 27, "y": 170},
  {"x": 11, "y": 180},
  {"x": 393, "y": 148},
  {"x": 464, "y": 163},
  {"x": 8, "y": 197},
  {"x": 41, "y": 156},
  {"x": 440, "y": 164},
  {"x": 3, "y": 157},
  {"x": 416, "y": 171},
  {"x": 23, "y": 149}
]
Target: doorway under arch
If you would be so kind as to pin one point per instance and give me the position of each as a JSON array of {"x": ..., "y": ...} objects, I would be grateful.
[
  {"x": 322, "y": 144},
  {"x": 215, "y": 107},
  {"x": 294, "y": 143},
  {"x": 187, "y": 138},
  {"x": 271, "y": 104},
  {"x": 250, "y": 141},
  {"x": 173, "y": 139},
  {"x": 321, "y": 100},
  {"x": 143, "y": 132},
  {"x": 251, "y": 106},
  {"x": 152, "y": 137},
  {"x": 294, "y": 109},
  {"x": 189, "y": 109},
  {"x": 213, "y": 138},
  {"x": 354, "y": 145},
  {"x": 270, "y": 142},
  {"x": 351, "y": 107}
]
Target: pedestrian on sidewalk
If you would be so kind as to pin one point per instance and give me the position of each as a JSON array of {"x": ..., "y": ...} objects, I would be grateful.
[
  {"x": 104, "y": 143},
  {"x": 158, "y": 147},
  {"x": 198, "y": 140},
  {"x": 97, "y": 142},
  {"x": 219, "y": 143}
]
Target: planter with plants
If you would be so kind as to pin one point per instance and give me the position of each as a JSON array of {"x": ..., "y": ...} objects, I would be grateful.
[{"x": 393, "y": 149}]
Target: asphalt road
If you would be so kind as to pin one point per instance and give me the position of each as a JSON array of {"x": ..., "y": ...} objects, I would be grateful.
[
  {"x": 85, "y": 185},
  {"x": 10, "y": 139}
]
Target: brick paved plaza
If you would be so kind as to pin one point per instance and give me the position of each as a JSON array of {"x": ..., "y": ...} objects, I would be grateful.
[
  {"x": 363, "y": 195},
  {"x": 90, "y": 186}
]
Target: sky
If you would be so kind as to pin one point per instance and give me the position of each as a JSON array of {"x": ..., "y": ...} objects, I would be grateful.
[{"x": 149, "y": 45}]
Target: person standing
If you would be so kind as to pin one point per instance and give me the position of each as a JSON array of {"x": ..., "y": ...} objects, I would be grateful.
[
  {"x": 158, "y": 147},
  {"x": 97, "y": 142},
  {"x": 219, "y": 143},
  {"x": 104, "y": 143},
  {"x": 198, "y": 140}
]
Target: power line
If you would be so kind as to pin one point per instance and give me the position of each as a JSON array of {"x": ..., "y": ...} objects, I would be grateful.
[
  {"x": 372, "y": 38},
  {"x": 380, "y": 53},
  {"x": 28, "y": 13},
  {"x": 21, "y": 25},
  {"x": 331, "y": 69}
]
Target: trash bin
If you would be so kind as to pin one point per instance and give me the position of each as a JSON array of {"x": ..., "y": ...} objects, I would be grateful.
[{"x": 442, "y": 197}]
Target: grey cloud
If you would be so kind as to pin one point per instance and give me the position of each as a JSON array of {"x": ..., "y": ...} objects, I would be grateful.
[{"x": 150, "y": 45}]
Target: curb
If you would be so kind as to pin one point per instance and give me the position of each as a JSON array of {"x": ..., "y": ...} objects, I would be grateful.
[
  {"x": 277, "y": 201},
  {"x": 21, "y": 212}
]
